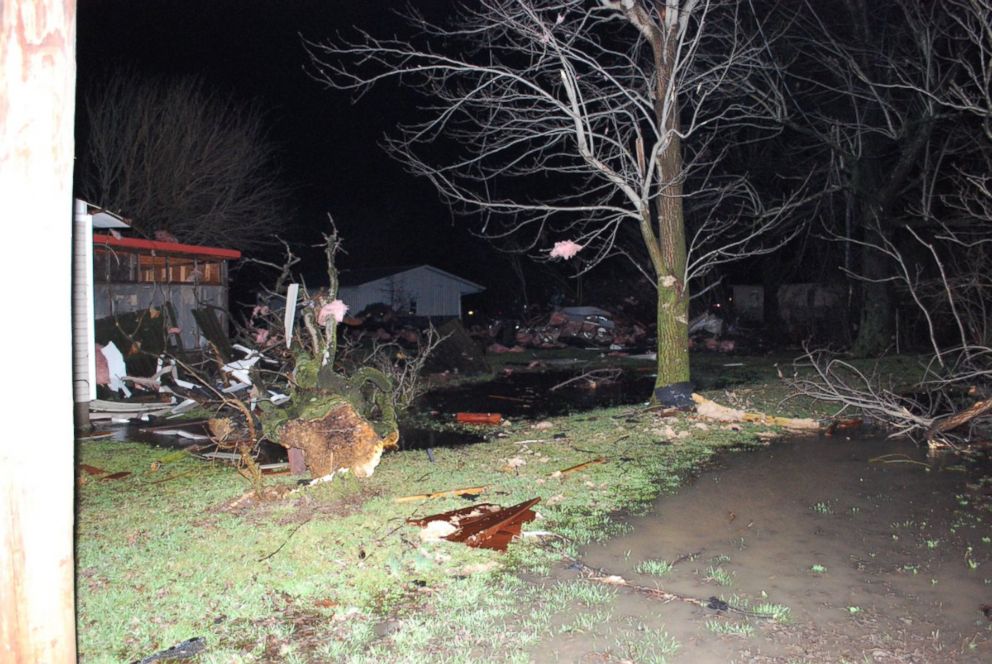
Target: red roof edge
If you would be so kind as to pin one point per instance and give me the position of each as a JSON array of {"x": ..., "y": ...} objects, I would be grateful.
[{"x": 170, "y": 247}]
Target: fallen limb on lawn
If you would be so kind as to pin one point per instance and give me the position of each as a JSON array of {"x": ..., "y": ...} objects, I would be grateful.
[
  {"x": 712, "y": 603},
  {"x": 714, "y": 411}
]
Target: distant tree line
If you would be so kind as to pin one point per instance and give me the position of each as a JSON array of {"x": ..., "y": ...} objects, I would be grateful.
[{"x": 172, "y": 156}]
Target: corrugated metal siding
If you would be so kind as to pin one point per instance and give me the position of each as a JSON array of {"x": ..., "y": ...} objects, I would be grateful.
[{"x": 117, "y": 297}]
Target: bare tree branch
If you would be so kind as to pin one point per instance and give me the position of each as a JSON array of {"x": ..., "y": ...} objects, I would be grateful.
[
  {"x": 591, "y": 122},
  {"x": 172, "y": 156}
]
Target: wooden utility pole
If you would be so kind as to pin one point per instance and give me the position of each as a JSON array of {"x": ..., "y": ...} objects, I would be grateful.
[{"x": 37, "y": 97}]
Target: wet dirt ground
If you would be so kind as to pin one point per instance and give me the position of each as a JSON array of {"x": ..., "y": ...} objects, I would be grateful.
[{"x": 877, "y": 561}]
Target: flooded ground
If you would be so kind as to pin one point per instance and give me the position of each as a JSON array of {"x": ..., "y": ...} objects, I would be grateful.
[
  {"x": 877, "y": 561},
  {"x": 533, "y": 394}
]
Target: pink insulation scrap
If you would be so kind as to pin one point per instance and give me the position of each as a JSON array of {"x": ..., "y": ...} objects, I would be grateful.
[
  {"x": 565, "y": 249},
  {"x": 337, "y": 309}
]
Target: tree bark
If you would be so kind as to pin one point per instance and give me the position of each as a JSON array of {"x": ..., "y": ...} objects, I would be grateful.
[
  {"x": 673, "y": 292},
  {"x": 875, "y": 326}
]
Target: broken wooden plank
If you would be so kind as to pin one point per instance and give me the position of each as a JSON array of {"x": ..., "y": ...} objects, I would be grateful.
[
  {"x": 478, "y": 418},
  {"x": 467, "y": 491},
  {"x": 577, "y": 467}
]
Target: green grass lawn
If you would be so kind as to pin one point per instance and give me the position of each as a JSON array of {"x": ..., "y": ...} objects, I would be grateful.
[{"x": 334, "y": 573}]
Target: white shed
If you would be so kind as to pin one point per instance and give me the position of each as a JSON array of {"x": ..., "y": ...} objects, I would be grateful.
[
  {"x": 114, "y": 274},
  {"x": 420, "y": 290}
]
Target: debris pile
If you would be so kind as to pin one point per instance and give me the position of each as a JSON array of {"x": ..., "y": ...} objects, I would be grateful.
[
  {"x": 287, "y": 382},
  {"x": 587, "y": 327}
]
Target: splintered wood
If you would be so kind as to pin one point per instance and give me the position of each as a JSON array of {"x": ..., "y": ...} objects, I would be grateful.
[
  {"x": 485, "y": 526},
  {"x": 714, "y": 411}
]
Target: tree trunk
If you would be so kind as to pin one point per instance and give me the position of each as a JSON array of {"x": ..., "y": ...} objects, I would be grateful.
[
  {"x": 672, "y": 384},
  {"x": 875, "y": 327},
  {"x": 673, "y": 337}
]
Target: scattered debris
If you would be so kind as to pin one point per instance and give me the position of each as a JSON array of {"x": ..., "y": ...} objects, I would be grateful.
[
  {"x": 101, "y": 409},
  {"x": 576, "y": 468},
  {"x": 707, "y": 322},
  {"x": 844, "y": 425},
  {"x": 714, "y": 411},
  {"x": 505, "y": 398},
  {"x": 479, "y": 418},
  {"x": 592, "y": 378},
  {"x": 577, "y": 326},
  {"x": 484, "y": 526},
  {"x": 897, "y": 458},
  {"x": 512, "y": 464},
  {"x": 223, "y": 456},
  {"x": 188, "y": 430},
  {"x": 467, "y": 491},
  {"x": 184, "y": 650},
  {"x": 437, "y": 530},
  {"x": 106, "y": 474}
]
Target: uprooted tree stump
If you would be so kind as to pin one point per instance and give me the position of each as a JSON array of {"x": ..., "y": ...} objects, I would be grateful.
[
  {"x": 338, "y": 422},
  {"x": 340, "y": 439}
]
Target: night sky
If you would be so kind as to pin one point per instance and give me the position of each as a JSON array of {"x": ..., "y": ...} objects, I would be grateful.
[{"x": 327, "y": 147}]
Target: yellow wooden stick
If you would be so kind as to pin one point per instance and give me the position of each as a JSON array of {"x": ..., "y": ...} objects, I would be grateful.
[{"x": 470, "y": 491}]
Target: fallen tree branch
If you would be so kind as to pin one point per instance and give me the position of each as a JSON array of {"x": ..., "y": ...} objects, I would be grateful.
[
  {"x": 956, "y": 420},
  {"x": 591, "y": 377},
  {"x": 712, "y": 603}
]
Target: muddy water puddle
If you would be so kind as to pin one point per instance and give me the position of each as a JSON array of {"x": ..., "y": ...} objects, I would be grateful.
[
  {"x": 534, "y": 394},
  {"x": 884, "y": 561}
]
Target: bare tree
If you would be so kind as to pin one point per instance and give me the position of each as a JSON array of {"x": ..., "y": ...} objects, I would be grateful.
[
  {"x": 174, "y": 157},
  {"x": 865, "y": 135},
  {"x": 598, "y": 124},
  {"x": 935, "y": 247},
  {"x": 882, "y": 103}
]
